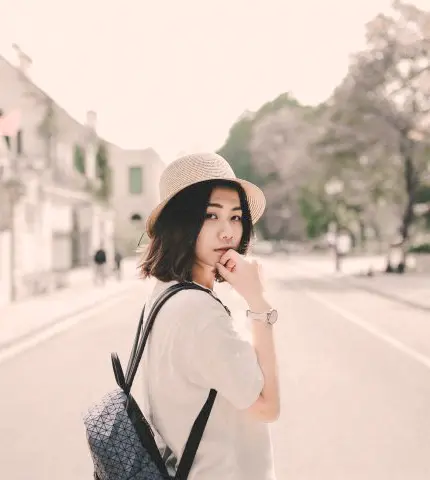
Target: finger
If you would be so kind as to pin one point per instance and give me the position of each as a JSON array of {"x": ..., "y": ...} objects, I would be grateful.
[
  {"x": 229, "y": 254},
  {"x": 231, "y": 263},
  {"x": 224, "y": 272},
  {"x": 225, "y": 257}
]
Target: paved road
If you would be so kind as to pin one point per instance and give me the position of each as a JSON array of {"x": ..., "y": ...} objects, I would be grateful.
[{"x": 354, "y": 369}]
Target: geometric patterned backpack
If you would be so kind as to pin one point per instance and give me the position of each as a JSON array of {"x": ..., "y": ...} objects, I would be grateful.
[{"x": 121, "y": 441}]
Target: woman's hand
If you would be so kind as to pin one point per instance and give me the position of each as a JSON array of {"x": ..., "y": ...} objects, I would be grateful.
[{"x": 242, "y": 275}]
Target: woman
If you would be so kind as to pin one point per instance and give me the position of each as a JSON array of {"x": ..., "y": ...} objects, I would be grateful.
[{"x": 200, "y": 233}]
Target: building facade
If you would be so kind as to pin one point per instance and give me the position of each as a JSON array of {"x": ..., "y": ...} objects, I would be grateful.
[
  {"x": 52, "y": 220},
  {"x": 135, "y": 192},
  {"x": 52, "y": 213}
]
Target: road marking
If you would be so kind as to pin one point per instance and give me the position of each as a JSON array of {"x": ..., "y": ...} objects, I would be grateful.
[
  {"x": 422, "y": 359},
  {"x": 62, "y": 326}
]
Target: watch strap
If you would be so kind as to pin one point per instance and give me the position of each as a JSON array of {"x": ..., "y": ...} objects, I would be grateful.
[{"x": 259, "y": 316}]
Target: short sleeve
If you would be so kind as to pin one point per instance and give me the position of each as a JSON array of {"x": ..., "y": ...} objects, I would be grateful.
[{"x": 219, "y": 358}]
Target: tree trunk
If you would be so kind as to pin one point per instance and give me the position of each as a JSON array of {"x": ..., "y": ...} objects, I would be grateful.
[
  {"x": 378, "y": 236},
  {"x": 362, "y": 240},
  {"x": 411, "y": 186}
]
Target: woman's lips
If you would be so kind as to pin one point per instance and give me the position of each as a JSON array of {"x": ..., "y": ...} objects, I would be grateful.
[{"x": 222, "y": 250}]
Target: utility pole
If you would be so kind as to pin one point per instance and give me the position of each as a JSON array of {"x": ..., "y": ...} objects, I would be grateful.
[
  {"x": 14, "y": 189},
  {"x": 333, "y": 189},
  {"x": 12, "y": 248}
]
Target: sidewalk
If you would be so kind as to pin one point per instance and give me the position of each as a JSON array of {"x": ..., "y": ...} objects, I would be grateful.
[
  {"x": 26, "y": 318},
  {"x": 412, "y": 289}
]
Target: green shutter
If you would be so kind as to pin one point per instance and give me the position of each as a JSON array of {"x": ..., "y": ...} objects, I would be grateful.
[{"x": 135, "y": 180}]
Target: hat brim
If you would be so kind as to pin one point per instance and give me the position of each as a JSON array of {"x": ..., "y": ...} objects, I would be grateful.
[{"x": 254, "y": 195}]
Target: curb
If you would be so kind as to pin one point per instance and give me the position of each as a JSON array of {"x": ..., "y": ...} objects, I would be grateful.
[
  {"x": 10, "y": 343},
  {"x": 390, "y": 296}
]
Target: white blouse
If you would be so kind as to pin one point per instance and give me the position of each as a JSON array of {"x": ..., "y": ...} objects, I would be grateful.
[{"x": 192, "y": 348}]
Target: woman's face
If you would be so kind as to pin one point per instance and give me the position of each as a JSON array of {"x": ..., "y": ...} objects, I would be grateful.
[{"x": 221, "y": 229}]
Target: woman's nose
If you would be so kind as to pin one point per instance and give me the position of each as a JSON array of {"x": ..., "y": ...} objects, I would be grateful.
[{"x": 226, "y": 233}]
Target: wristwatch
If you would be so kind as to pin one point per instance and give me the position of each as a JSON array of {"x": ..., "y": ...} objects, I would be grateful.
[{"x": 269, "y": 317}]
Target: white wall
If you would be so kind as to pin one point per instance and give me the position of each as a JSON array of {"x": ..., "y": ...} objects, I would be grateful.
[
  {"x": 46, "y": 235},
  {"x": 4, "y": 267},
  {"x": 61, "y": 217},
  {"x": 96, "y": 228},
  {"x": 108, "y": 237}
]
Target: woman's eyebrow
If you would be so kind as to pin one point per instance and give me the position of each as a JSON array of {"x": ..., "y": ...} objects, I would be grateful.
[{"x": 218, "y": 205}]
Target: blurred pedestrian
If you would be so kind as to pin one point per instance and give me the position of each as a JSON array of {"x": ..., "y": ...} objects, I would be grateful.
[
  {"x": 118, "y": 261},
  {"x": 100, "y": 266}
]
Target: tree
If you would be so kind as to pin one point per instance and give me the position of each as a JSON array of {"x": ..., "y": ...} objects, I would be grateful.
[
  {"x": 103, "y": 171},
  {"x": 316, "y": 213},
  {"x": 238, "y": 151},
  {"x": 381, "y": 109},
  {"x": 237, "y": 146},
  {"x": 280, "y": 154}
]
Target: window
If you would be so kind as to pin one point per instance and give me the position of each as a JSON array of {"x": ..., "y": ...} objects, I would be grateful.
[
  {"x": 10, "y": 126},
  {"x": 136, "y": 217},
  {"x": 10, "y": 141},
  {"x": 19, "y": 148},
  {"x": 135, "y": 180},
  {"x": 79, "y": 161}
]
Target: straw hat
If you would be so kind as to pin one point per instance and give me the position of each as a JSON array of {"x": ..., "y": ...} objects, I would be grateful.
[{"x": 199, "y": 167}]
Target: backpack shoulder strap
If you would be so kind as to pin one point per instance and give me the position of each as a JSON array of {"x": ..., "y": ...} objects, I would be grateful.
[
  {"x": 137, "y": 352},
  {"x": 195, "y": 438}
]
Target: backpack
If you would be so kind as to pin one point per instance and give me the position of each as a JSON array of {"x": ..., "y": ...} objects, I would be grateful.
[{"x": 121, "y": 441}]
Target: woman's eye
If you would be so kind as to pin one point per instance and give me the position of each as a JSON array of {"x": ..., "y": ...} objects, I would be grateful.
[{"x": 236, "y": 218}]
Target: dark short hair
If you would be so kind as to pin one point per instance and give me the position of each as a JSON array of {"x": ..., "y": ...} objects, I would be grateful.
[{"x": 170, "y": 254}]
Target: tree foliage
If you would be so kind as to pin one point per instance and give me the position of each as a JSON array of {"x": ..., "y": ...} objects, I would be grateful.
[
  {"x": 103, "y": 171},
  {"x": 316, "y": 213},
  {"x": 239, "y": 151},
  {"x": 381, "y": 111},
  {"x": 373, "y": 134},
  {"x": 280, "y": 154},
  {"x": 237, "y": 146}
]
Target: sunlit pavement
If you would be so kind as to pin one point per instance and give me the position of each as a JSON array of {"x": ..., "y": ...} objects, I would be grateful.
[{"x": 354, "y": 372}]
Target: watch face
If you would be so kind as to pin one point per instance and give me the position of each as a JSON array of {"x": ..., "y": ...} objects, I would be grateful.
[{"x": 273, "y": 316}]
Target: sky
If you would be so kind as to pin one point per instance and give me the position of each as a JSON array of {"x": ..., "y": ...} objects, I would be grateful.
[{"x": 175, "y": 75}]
